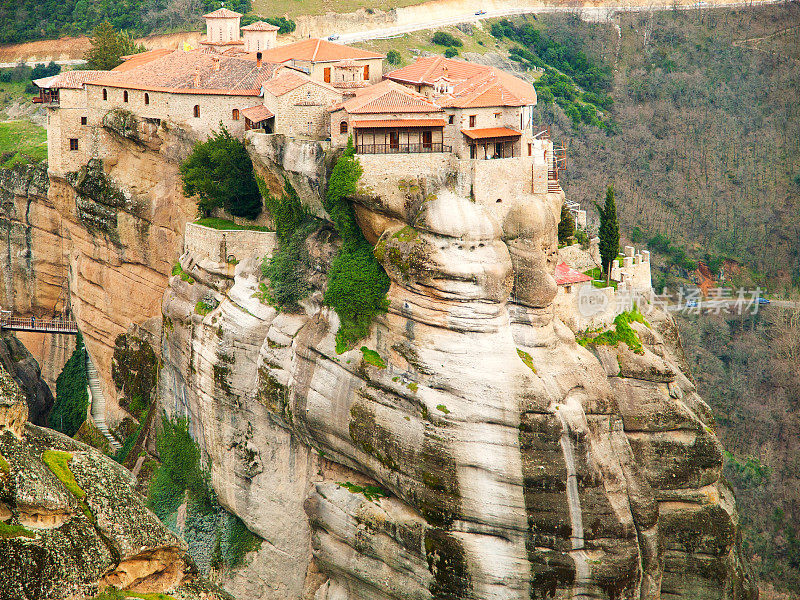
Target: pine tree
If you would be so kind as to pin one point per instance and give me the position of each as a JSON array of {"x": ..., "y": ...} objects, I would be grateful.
[
  {"x": 609, "y": 232},
  {"x": 566, "y": 227},
  {"x": 109, "y": 46}
]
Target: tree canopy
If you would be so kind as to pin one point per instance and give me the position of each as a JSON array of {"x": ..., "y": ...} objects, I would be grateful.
[
  {"x": 219, "y": 171},
  {"x": 109, "y": 46}
]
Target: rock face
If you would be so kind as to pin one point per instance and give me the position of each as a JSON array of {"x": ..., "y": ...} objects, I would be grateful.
[
  {"x": 485, "y": 455},
  {"x": 19, "y": 363},
  {"x": 68, "y": 529}
]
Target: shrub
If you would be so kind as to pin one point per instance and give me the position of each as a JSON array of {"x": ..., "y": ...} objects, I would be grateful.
[
  {"x": 288, "y": 269},
  {"x": 442, "y": 38},
  {"x": 108, "y": 46},
  {"x": 285, "y": 25},
  {"x": 450, "y": 52},
  {"x": 219, "y": 171},
  {"x": 393, "y": 57},
  {"x": 357, "y": 284},
  {"x": 180, "y": 467},
  {"x": 72, "y": 400}
]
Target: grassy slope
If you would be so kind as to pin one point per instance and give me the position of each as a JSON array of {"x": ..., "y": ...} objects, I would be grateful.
[
  {"x": 293, "y": 8},
  {"x": 22, "y": 141},
  {"x": 480, "y": 41}
]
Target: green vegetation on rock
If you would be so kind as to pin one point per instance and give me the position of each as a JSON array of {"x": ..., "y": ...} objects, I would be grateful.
[
  {"x": 371, "y": 492},
  {"x": 442, "y": 38},
  {"x": 203, "y": 308},
  {"x": 289, "y": 268},
  {"x": 14, "y": 531},
  {"x": 177, "y": 269},
  {"x": 226, "y": 224},
  {"x": 4, "y": 466},
  {"x": 58, "y": 462},
  {"x": 357, "y": 284},
  {"x": 219, "y": 171},
  {"x": 622, "y": 332},
  {"x": 527, "y": 359},
  {"x": 72, "y": 399},
  {"x": 112, "y": 593},
  {"x": 214, "y": 536},
  {"x": 372, "y": 358}
]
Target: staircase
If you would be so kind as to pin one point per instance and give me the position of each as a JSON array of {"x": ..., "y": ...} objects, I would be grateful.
[{"x": 98, "y": 403}]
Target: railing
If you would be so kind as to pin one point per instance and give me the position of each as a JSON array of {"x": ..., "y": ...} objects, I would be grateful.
[
  {"x": 46, "y": 98},
  {"x": 541, "y": 132},
  {"x": 401, "y": 148},
  {"x": 11, "y": 323}
]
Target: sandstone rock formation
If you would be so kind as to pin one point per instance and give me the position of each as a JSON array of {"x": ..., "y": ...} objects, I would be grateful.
[
  {"x": 484, "y": 455},
  {"x": 19, "y": 363},
  {"x": 71, "y": 523}
]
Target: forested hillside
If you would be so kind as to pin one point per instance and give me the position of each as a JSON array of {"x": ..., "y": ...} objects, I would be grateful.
[
  {"x": 23, "y": 20},
  {"x": 703, "y": 145}
]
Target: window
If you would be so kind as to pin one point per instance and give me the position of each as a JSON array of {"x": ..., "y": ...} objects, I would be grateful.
[
  {"x": 472, "y": 119},
  {"x": 125, "y": 96},
  {"x": 73, "y": 143},
  {"x": 530, "y": 149},
  {"x": 327, "y": 74},
  {"x": 497, "y": 115},
  {"x": 146, "y": 98},
  {"x": 105, "y": 94},
  {"x": 343, "y": 127},
  {"x": 235, "y": 114},
  {"x": 83, "y": 120},
  {"x": 366, "y": 72},
  {"x": 450, "y": 119},
  {"x": 197, "y": 111}
]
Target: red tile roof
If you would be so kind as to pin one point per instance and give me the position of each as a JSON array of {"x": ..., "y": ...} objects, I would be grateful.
[
  {"x": 490, "y": 132},
  {"x": 316, "y": 50},
  {"x": 387, "y": 124},
  {"x": 288, "y": 80},
  {"x": 257, "y": 113},
  {"x": 132, "y": 61},
  {"x": 473, "y": 85},
  {"x": 566, "y": 275},
  {"x": 387, "y": 97},
  {"x": 260, "y": 26},
  {"x": 68, "y": 79},
  {"x": 222, "y": 13},
  {"x": 193, "y": 73}
]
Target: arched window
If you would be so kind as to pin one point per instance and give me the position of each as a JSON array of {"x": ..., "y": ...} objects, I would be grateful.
[
  {"x": 146, "y": 98},
  {"x": 235, "y": 114},
  {"x": 125, "y": 96},
  {"x": 343, "y": 127},
  {"x": 105, "y": 94},
  {"x": 197, "y": 110}
]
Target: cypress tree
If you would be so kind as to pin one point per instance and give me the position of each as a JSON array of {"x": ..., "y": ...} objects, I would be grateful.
[
  {"x": 566, "y": 227},
  {"x": 609, "y": 232}
]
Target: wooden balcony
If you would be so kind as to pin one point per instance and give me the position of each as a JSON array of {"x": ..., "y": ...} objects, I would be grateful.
[{"x": 402, "y": 148}]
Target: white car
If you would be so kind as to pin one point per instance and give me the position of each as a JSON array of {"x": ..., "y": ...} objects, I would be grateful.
[{"x": 333, "y": 37}]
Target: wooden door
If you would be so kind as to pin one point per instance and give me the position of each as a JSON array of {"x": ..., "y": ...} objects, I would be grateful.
[
  {"x": 427, "y": 140},
  {"x": 394, "y": 140}
]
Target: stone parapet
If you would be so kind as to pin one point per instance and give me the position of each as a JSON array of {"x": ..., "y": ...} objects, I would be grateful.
[{"x": 229, "y": 245}]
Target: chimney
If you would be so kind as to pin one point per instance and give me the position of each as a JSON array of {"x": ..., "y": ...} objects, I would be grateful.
[
  {"x": 258, "y": 59},
  {"x": 215, "y": 62},
  {"x": 197, "y": 76}
]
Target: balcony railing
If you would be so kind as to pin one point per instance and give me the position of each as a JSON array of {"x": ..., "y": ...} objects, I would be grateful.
[
  {"x": 46, "y": 98},
  {"x": 401, "y": 148}
]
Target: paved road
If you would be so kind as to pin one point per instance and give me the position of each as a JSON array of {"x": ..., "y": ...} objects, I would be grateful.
[
  {"x": 588, "y": 13},
  {"x": 33, "y": 63}
]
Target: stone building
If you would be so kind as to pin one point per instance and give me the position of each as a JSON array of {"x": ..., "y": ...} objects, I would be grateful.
[
  {"x": 222, "y": 31},
  {"x": 259, "y": 36},
  {"x": 341, "y": 66}
]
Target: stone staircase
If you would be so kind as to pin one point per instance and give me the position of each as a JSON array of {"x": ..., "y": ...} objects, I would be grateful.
[{"x": 98, "y": 403}]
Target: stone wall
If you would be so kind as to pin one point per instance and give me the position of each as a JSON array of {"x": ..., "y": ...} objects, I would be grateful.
[
  {"x": 303, "y": 112},
  {"x": 223, "y": 245},
  {"x": 634, "y": 270}
]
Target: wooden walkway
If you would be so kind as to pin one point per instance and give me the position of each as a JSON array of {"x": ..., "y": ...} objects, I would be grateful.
[{"x": 12, "y": 323}]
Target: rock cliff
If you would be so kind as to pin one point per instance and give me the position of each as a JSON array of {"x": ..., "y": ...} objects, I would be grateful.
[
  {"x": 469, "y": 447},
  {"x": 23, "y": 368},
  {"x": 71, "y": 523}
]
